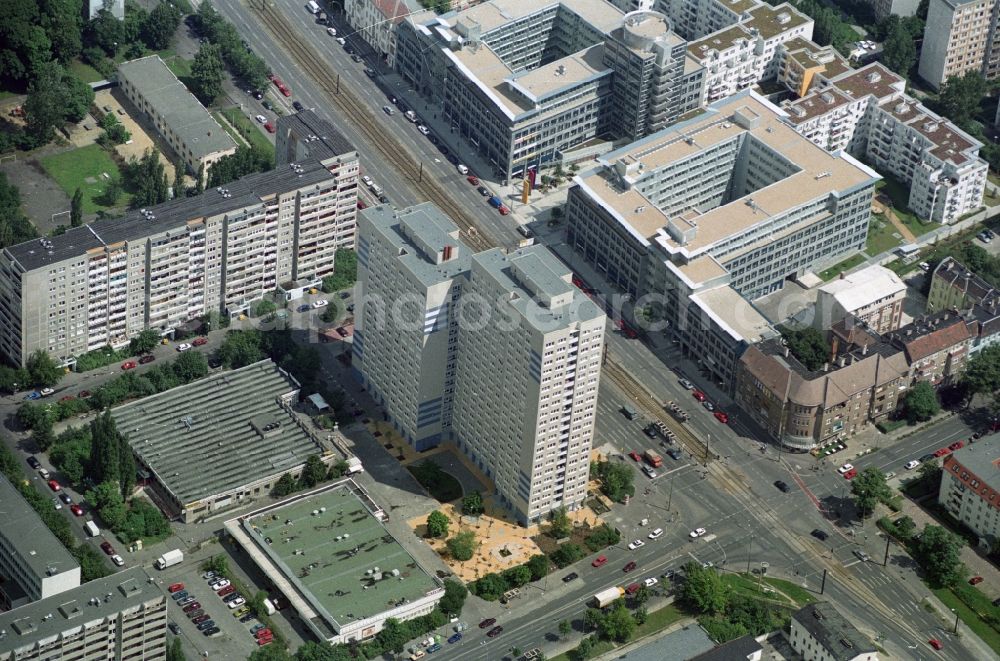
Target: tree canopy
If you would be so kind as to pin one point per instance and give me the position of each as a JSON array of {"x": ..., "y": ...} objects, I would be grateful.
[
  {"x": 703, "y": 589},
  {"x": 616, "y": 480},
  {"x": 921, "y": 403},
  {"x": 869, "y": 489},
  {"x": 959, "y": 97},
  {"x": 462, "y": 545},
  {"x": 207, "y": 74},
  {"x": 808, "y": 345},
  {"x": 938, "y": 552},
  {"x": 437, "y": 524},
  {"x": 899, "y": 53},
  {"x": 42, "y": 370},
  {"x": 14, "y": 225}
]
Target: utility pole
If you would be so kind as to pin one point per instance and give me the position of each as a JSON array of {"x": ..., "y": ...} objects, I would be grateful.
[
  {"x": 670, "y": 495},
  {"x": 822, "y": 587},
  {"x": 749, "y": 546},
  {"x": 420, "y": 175},
  {"x": 885, "y": 561},
  {"x": 338, "y": 84}
]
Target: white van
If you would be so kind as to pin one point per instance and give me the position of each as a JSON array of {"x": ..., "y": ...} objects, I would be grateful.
[
  {"x": 462, "y": 169},
  {"x": 312, "y": 7},
  {"x": 91, "y": 529}
]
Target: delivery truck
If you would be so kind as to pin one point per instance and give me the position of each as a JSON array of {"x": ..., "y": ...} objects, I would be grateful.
[
  {"x": 169, "y": 559},
  {"x": 607, "y": 597},
  {"x": 91, "y": 529},
  {"x": 653, "y": 458}
]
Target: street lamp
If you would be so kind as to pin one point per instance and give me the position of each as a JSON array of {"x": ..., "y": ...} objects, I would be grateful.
[{"x": 955, "y": 630}]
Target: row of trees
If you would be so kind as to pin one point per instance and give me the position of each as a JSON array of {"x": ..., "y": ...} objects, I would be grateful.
[
  {"x": 616, "y": 480},
  {"x": 492, "y": 586},
  {"x": 39, "y": 371},
  {"x": 315, "y": 472},
  {"x": 14, "y": 225},
  {"x": 242, "y": 63},
  {"x": 246, "y": 160},
  {"x": 935, "y": 549},
  {"x": 725, "y": 614}
]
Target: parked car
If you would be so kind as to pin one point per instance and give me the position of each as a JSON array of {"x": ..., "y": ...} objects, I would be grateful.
[
  {"x": 975, "y": 580},
  {"x": 699, "y": 395},
  {"x": 54, "y": 485},
  {"x": 177, "y": 596},
  {"x": 697, "y": 532},
  {"x": 204, "y": 617},
  {"x": 846, "y": 467},
  {"x": 819, "y": 534},
  {"x": 174, "y": 629},
  {"x": 722, "y": 417},
  {"x": 176, "y": 587},
  {"x": 861, "y": 555},
  {"x": 455, "y": 638},
  {"x": 129, "y": 365},
  {"x": 194, "y": 605},
  {"x": 635, "y": 456},
  {"x": 269, "y": 127},
  {"x": 148, "y": 358},
  {"x": 636, "y": 544},
  {"x": 687, "y": 385},
  {"x": 494, "y": 632},
  {"x": 488, "y": 622},
  {"x": 782, "y": 486},
  {"x": 196, "y": 613},
  {"x": 935, "y": 643},
  {"x": 599, "y": 561},
  {"x": 656, "y": 534},
  {"x": 572, "y": 576},
  {"x": 219, "y": 584},
  {"x": 629, "y": 566},
  {"x": 237, "y": 602},
  {"x": 207, "y": 624},
  {"x": 851, "y": 474},
  {"x": 320, "y": 303},
  {"x": 76, "y": 510},
  {"x": 298, "y": 106},
  {"x": 199, "y": 341},
  {"x": 211, "y": 632},
  {"x": 910, "y": 465},
  {"x": 34, "y": 463},
  {"x": 650, "y": 582},
  {"x": 118, "y": 560}
]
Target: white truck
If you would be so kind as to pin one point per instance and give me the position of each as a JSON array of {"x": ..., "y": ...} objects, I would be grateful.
[
  {"x": 92, "y": 529},
  {"x": 169, "y": 559},
  {"x": 354, "y": 466},
  {"x": 269, "y": 607},
  {"x": 608, "y": 597}
]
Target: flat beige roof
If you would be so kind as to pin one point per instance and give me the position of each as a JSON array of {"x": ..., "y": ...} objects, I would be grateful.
[
  {"x": 566, "y": 72},
  {"x": 820, "y": 172},
  {"x": 733, "y": 313},
  {"x": 497, "y": 13}
]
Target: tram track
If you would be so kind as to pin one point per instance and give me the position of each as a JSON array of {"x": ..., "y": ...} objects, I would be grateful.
[{"x": 344, "y": 100}]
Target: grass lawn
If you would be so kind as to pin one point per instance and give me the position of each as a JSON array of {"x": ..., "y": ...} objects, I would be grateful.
[
  {"x": 84, "y": 168},
  {"x": 233, "y": 133},
  {"x": 880, "y": 236},
  {"x": 248, "y": 129},
  {"x": 442, "y": 486},
  {"x": 85, "y": 72},
  {"x": 181, "y": 68},
  {"x": 4, "y": 94},
  {"x": 787, "y": 592},
  {"x": 969, "y": 618},
  {"x": 900, "y": 196},
  {"x": 845, "y": 265}
]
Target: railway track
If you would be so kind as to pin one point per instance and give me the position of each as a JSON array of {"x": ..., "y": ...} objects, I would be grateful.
[{"x": 346, "y": 102}]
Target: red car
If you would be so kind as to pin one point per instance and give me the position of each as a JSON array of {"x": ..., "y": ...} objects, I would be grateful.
[
  {"x": 629, "y": 567},
  {"x": 54, "y": 485},
  {"x": 270, "y": 127},
  {"x": 635, "y": 456},
  {"x": 599, "y": 561},
  {"x": 935, "y": 643},
  {"x": 942, "y": 452},
  {"x": 957, "y": 445},
  {"x": 176, "y": 587},
  {"x": 473, "y": 180},
  {"x": 362, "y": 205},
  {"x": 851, "y": 474},
  {"x": 83, "y": 394},
  {"x": 128, "y": 365},
  {"x": 488, "y": 622},
  {"x": 76, "y": 510},
  {"x": 504, "y": 210},
  {"x": 632, "y": 589},
  {"x": 199, "y": 341},
  {"x": 226, "y": 591},
  {"x": 975, "y": 580},
  {"x": 699, "y": 395},
  {"x": 193, "y": 606},
  {"x": 107, "y": 548},
  {"x": 722, "y": 417},
  {"x": 261, "y": 633},
  {"x": 147, "y": 359},
  {"x": 67, "y": 398}
]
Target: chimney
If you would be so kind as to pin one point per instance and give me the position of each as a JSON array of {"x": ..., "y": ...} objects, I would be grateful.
[
  {"x": 826, "y": 367},
  {"x": 842, "y": 360},
  {"x": 864, "y": 350},
  {"x": 446, "y": 253},
  {"x": 786, "y": 352},
  {"x": 833, "y": 348}
]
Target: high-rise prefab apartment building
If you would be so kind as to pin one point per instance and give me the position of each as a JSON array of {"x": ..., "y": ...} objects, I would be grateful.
[{"x": 498, "y": 352}]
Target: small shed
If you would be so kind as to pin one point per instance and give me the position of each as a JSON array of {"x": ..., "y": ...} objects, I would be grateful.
[{"x": 317, "y": 401}]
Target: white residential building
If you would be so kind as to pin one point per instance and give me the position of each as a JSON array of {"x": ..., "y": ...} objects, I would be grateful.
[
  {"x": 529, "y": 363},
  {"x": 375, "y": 21},
  {"x": 970, "y": 488},
  {"x": 411, "y": 267},
  {"x": 959, "y": 36},
  {"x": 161, "y": 267},
  {"x": 873, "y": 295},
  {"x": 33, "y": 563},
  {"x": 867, "y": 113},
  {"x": 498, "y": 352},
  {"x": 122, "y": 617}
]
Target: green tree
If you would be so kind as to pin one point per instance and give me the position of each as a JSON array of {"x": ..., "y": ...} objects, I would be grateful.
[
  {"x": 585, "y": 648},
  {"x": 641, "y": 596},
  {"x": 174, "y": 651},
  {"x": 592, "y": 619},
  {"x": 207, "y": 73},
  {"x": 959, "y": 97},
  {"x": 616, "y": 480},
  {"x": 199, "y": 184},
  {"x": 105, "y": 462},
  {"x": 92, "y": 565},
  {"x": 147, "y": 178},
  {"x": 564, "y": 628},
  {"x": 263, "y": 308},
  {"x": 905, "y": 526},
  {"x": 104, "y": 31},
  {"x": 106, "y": 498},
  {"x": 929, "y": 470},
  {"x": 808, "y": 345},
  {"x": 618, "y": 624},
  {"x": 189, "y": 366},
  {"x": 345, "y": 271},
  {"x": 982, "y": 372},
  {"x": 160, "y": 25},
  {"x": 43, "y": 372},
  {"x": 313, "y": 473},
  {"x": 111, "y": 194},
  {"x": 218, "y": 564},
  {"x": 516, "y": 576},
  {"x": 566, "y": 554},
  {"x": 126, "y": 466},
  {"x": 454, "y": 597},
  {"x": 921, "y": 403},
  {"x": 286, "y": 485},
  {"x": 538, "y": 564},
  {"x": 270, "y": 653},
  {"x": 868, "y": 489},
  {"x": 246, "y": 160},
  {"x": 462, "y": 545},
  {"x": 241, "y": 348},
  {"x": 703, "y": 589},
  {"x": 489, "y": 587},
  {"x": 394, "y": 635},
  {"x": 899, "y": 53},
  {"x": 437, "y": 524},
  {"x": 144, "y": 342},
  {"x": 560, "y": 524},
  {"x": 42, "y": 435},
  {"x": 76, "y": 209},
  {"x": 472, "y": 504},
  {"x": 938, "y": 552},
  {"x": 179, "y": 188},
  {"x": 14, "y": 225}
]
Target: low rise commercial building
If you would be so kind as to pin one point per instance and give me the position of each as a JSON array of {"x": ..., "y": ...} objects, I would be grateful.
[
  {"x": 873, "y": 296},
  {"x": 819, "y": 632},
  {"x": 161, "y": 267},
  {"x": 867, "y": 113},
  {"x": 181, "y": 120},
  {"x": 329, "y": 554},
  {"x": 34, "y": 564},
  {"x": 222, "y": 441},
  {"x": 970, "y": 488},
  {"x": 122, "y": 616}
]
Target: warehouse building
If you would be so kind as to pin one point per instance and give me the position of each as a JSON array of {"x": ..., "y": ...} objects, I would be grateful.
[
  {"x": 329, "y": 554},
  {"x": 33, "y": 563},
  {"x": 222, "y": 441},
  {"x": 122, "y": 616},
  {"x": 179, "y": 117}
]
